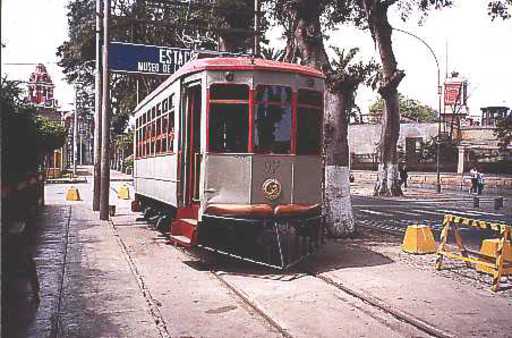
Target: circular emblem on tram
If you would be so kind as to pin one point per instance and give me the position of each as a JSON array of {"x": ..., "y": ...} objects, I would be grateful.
[{"x": 271, "y": 189}]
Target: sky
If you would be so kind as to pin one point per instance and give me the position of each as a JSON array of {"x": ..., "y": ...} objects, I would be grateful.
[{"x": 478, "y": 48}]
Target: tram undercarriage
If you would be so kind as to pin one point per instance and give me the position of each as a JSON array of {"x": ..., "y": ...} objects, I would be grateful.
[{"x": 276, "y": 243}]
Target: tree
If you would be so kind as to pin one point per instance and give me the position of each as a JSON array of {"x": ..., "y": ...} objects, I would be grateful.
[
  {"x": 27, "y": 137},
  {"x": 409, "y": 108},
  {"x": 499, "y": 9},
  {"x": 504, "y": 131},
  {"x": 376, "y": 18},
  {"x": 305, "y": 42}
]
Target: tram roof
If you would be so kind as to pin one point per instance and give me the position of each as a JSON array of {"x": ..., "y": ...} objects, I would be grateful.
[{"x": 234, "y": 64}]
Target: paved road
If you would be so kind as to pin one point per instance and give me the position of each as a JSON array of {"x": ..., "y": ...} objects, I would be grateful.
[{"x": 425, "y": 208}]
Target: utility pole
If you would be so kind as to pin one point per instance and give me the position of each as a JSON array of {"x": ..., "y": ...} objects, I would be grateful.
[
  {"x": 97, "y": 114},
  {"x": 439, "y": 94},
  {"x": 75, "y": 131},
  {"x": 105, "y": 120}
]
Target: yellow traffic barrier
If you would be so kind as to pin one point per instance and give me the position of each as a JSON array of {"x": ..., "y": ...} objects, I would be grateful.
[
  {"x": 495, "y": 263},
  {"x": 124, "y": 192},
  {"x": 419, "y": 239},
  {"x": 72, "y": 194},
  {"x": 488, "y": 250}
]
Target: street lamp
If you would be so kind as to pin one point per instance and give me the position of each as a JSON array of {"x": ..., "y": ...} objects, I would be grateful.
[{"x": 439, "y": 93}]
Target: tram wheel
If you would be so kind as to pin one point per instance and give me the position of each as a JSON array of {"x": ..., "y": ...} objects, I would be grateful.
[{"x": 163, "y": 223}]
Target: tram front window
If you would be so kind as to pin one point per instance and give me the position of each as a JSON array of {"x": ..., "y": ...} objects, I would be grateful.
[
  {"x": 273, "y": 120},
  {"x": 309, "y": 122},
  {"x": 229, "y": 118}
]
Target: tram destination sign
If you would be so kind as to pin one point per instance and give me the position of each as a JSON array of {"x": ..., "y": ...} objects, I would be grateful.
[{"x": 147, "y": 59}]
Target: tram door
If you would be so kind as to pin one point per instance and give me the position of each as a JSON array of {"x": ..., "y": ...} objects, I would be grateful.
[{"x": 192, "y": 152}]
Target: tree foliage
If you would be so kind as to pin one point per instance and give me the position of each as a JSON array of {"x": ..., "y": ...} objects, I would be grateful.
[
  {"x": 27, "y": 137},
  {"x": 499, "y": 9},
  {"x": 504, "y": 131},
  {"x": 409, "y": 108},
  {"x": 173, "y": 23}
]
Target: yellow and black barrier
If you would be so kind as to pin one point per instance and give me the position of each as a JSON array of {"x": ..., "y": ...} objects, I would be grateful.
[{"x": 494, "y": 264}]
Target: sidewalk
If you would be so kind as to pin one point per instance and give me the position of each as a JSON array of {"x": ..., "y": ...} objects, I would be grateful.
[
  {"x": 121, "y": 279},
  {"x": 453, "y": 300},
  {"x": 86, "y": 286},
  {"x": 494, "y": 184}
]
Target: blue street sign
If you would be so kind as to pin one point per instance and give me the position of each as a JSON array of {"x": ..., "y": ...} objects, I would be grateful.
[{"x": 146, "y": 59}]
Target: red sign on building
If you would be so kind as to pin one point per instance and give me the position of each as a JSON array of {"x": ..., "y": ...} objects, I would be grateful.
[{"x": 452, "y": 93}]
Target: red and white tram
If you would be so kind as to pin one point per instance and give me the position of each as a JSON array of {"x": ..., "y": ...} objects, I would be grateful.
[{"x": 228, "y": 155}]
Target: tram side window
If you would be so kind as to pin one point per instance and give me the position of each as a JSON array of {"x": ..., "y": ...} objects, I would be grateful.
[
  {"x": 170, "y": 125},
  {"x": 170, "y": 131},
  {"x": 273, "y": 120},
  {"x": 158, "y": 135},
  {"x": 229, "y": 118},
  {"x": 153, "y": 137},
  {"x": 309, "y": 122}
]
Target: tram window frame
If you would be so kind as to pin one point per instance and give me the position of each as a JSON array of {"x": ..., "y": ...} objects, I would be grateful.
[
  {"x": 225, "y": 103},
  {"x": 307, "y": 105},
  {"x": 158, "y": 134},
  {"x": 165, "y": 106},
  {"x": 273, "y": 147},
  {"x": 170, "y": 125},
  {"x": 165, "y": 122},
  {"x": 153, "y": 137}
]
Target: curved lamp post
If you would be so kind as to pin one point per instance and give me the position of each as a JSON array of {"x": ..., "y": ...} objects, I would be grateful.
[{"x": 439, "y": 93}]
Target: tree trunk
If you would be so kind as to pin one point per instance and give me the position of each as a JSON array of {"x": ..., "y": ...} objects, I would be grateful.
[
  {"x": 336, "y": 203},
  {"x": 388, "y": 181}
]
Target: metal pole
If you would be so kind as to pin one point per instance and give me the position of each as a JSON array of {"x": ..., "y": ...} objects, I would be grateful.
[
  {"x": 97, "y": 114},
  {"x": 256, "y": 28},
  {"x": 439, "y": 93},
  {"x": 75, "y": 131},
  {"x": 438, "y": 144},
  {"x": 105, "y": 120},
  {"x": 80, "y": 150}
]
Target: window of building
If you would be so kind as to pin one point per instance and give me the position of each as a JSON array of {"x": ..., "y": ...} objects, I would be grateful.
[
  {"x": 309, "y": 121},
  {"x": 229, "y": 118},
  {"x": 273, "y": 120}
]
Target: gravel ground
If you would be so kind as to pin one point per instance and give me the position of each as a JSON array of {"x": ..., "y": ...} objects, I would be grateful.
[{"x": 389, "y": 246}]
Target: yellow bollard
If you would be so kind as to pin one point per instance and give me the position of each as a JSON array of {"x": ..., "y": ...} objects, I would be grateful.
[
  {"x": 419, "y": 239},
  {"x": 124, "y": 192},
  {"x": 488, "y": 248},
  {"x": 72, "y": 194}
]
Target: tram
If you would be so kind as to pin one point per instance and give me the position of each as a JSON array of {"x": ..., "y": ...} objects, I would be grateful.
[{"x": 227, "y": 158}]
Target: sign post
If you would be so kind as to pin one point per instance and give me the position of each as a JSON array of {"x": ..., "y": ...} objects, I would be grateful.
[
  {"x": 97, "y": 113},
  {"x": 105, "y": 120},
  {"x": 147, "y": 59}
]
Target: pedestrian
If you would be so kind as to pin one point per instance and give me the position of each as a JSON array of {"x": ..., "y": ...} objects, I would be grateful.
[
  {"x": 480, "y": 183},
  {"x": 403, "y": 175},
  {"x": 473, "y": 173}
]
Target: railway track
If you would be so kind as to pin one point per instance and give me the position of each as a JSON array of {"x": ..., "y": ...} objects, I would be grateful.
[
  {"x": 369, "y": 301},
  {"x": 375, "y": 309}
]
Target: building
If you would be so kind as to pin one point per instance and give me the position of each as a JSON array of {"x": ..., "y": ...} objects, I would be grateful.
[
  {"x": 40, "y": 89},
  {"x": 491, "y": 114}
]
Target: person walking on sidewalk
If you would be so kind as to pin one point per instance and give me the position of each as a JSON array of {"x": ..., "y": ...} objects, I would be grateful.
[
  {"x": 479, "y": 183},
  {"x": 403, "y": 175},
  {"x": 473, "y": 173}
]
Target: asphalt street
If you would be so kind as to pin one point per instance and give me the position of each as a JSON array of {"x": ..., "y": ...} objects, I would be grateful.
[{"x": 426, "y": 207}]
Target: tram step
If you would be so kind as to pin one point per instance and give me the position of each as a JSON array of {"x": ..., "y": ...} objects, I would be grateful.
[
  {"x": 184, "y": 228},
  {"x": 180, "y": 240}
]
